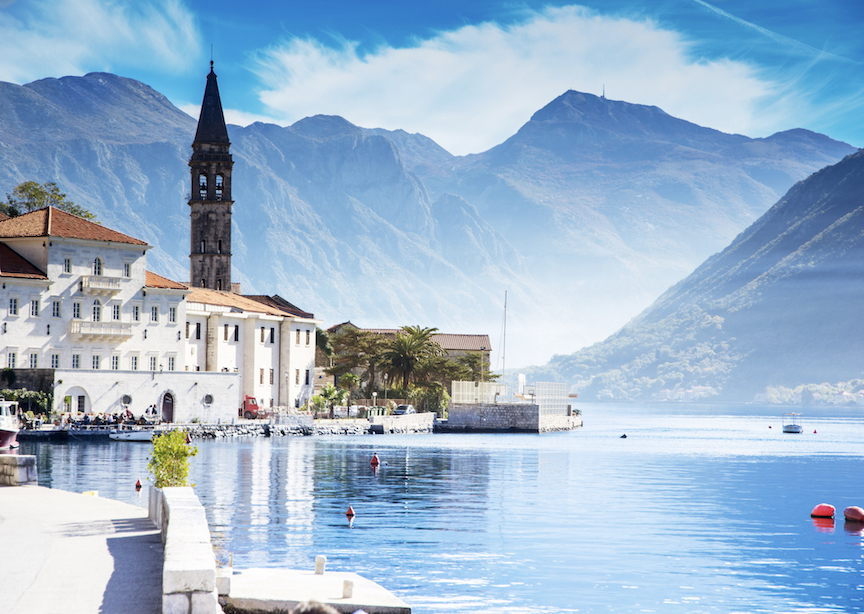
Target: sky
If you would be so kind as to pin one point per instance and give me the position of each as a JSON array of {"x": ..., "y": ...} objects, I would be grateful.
[{"x": 466, "y": 74}]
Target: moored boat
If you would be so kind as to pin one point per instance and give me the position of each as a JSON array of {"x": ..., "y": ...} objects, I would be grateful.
[
  {"x": 792, "y": 423},
  {"x": 145, "y": 435},
  {"x": 8, "y": 424}
]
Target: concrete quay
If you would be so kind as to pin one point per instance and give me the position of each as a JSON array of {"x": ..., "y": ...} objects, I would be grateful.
[{"x": 69, "y": 553}]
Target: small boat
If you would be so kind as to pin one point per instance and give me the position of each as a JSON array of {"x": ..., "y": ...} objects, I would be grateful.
[
  {"x": 145, "y": 435},
  {"x": 8, "y": 424},
  {"x": 792, "y": 423}
]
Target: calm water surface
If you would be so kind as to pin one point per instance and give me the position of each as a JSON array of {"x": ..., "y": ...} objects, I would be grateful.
[{"x": 700, "y": 509}]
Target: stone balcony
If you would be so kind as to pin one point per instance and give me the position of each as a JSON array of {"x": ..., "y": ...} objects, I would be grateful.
[
  {"x": 101, "y": 285},
  {"x": 95, "y": 331}
]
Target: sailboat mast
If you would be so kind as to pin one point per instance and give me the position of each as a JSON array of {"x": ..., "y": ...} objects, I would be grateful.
[{"x": 504, "y": 338}]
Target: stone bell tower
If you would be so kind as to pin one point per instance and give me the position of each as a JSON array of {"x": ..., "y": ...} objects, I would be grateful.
[{"x": 210, "y": 199}]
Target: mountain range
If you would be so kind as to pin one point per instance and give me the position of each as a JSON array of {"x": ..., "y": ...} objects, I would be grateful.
[{"x": 584, "y": 216}]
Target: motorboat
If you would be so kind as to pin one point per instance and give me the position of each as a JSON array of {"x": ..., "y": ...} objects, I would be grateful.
[
  {"x": 145, "y": 435},
  {"x": 8, "y": 424},
  {"x": 792, "y": 423}
]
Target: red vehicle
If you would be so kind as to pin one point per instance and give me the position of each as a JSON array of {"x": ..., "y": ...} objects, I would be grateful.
[{"x": 249, "y": 409}]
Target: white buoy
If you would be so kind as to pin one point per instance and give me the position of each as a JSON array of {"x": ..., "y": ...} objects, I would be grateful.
[{"x": 320, "y": 564}]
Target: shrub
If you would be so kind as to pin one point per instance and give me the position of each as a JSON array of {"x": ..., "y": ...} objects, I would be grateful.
[{"x": 169, "y": 459}]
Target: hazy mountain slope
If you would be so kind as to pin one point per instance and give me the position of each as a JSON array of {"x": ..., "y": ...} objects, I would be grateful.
[
  {"x": 585, "y": 216},
  {"x": 613, "y": 202},
  {"x": 781, "y": 306}
]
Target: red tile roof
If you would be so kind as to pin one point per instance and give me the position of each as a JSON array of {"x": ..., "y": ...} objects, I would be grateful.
[
  {"x": 447, "y": 341},
  {"x": 278, "y": 302},
  {"x": 152, "y": 280},
  {"x": 52, "y": 222},
  {"x": 235, "y": 301},
  {"x": 13, "y": 264}
]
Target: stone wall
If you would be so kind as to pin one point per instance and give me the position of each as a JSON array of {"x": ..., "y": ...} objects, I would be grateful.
[
  {"x": 189, "y": 570},
  {"x": 408, "y": 423},
  {"x": 494, "y": 417},
  {"x": 559, "y": 423},
  {"x": 18, "y": 470}
]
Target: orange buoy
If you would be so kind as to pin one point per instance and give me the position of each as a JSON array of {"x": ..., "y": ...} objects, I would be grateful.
[
  {"x": 138, "y": 484},
  {"x": 350, "y": 512},
  {"x": 823, "y": 510},
  {"x": 374, "y": 462},
  {"x": 854, "y": 513}
]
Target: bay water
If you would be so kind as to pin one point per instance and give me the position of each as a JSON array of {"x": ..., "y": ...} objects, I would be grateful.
[{"x": 701, "y": 508}]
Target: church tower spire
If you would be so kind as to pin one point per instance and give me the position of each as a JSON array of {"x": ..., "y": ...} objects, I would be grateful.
[{"x": 210, "y": 201}]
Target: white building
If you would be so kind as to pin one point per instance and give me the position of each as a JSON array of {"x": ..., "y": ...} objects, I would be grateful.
[{"x": 80, "y": 309}]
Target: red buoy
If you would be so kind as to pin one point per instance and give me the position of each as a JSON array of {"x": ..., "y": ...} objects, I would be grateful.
[
  {"x": 854, "y": 513},
  {"x": 823, "y": 510},
  {"x": 138, "y": 484},
  {"x": 350, "y": 513},
  {"x": 374, "y": 462}
]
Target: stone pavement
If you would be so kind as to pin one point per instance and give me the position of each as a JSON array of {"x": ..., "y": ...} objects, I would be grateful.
[{"x": 68, "y": 553}]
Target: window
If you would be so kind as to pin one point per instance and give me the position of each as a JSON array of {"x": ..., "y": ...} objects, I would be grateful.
[
  {"x": 133, "y": 363},
  {"x": 296, "y": 376},
  {"x": 203, "y": 247},
  {"x": 115, "y": 363},
  {"x": 127, "y": 269},
  {"x": 202, "y": 186},
  {"x": 170, "y": 363},
  {"x": 236, "y": 332},
  {"x": 97, "y": 311},
  {"x": 67, "y": 265},
  {"x": 76, "y": 311},
  {"x": 272, "y": 335},
  {"x": 226, "y": 332},
  {"x": 55, "y": 361},
  {"x": 55, "y": 309},
  {"x": 34, "y": 361},
  {"x": 11, "y": 358},
  {"x": 261, "y": 376},
  {"x": 220, "y": 183},
  {"x": 271, "y": 377},
  {"x": 298, "y": 336},
  {"x": 34, "y": 307},
  {"x": 197, "y": 330},
  {"x": 308, "y": 337},
  {"x": 172, "y": 315},
  {"x": 116, "y": 311},
  {"x": 187, "y": 330},
  {"x": 218, "y": 284},
  {"x": 154, "y": 313},
  {"x": 13, "y": 306},
  {"x": 136, "y": 313},
  {"x": 76, "y": 361},
  {"x": 262, "y": 334},
  {"x": 96, "y": 360},
  {"x": 152, "y": 363},
  {"x": 203, "y": 283},
  {"x": 219, "y": 249},
  {"x": 307, "y": 377},
  {"x": 97, "y": 267},
  {"x": 82, "y": 404}
]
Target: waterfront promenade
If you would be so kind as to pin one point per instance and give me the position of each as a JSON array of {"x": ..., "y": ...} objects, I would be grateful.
[{"x": 69, "y": 553}]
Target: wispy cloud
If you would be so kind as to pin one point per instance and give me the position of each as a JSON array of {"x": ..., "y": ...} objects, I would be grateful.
[
  {"x": 473, "y": 87},
  {"x": 49, "y": 38}
]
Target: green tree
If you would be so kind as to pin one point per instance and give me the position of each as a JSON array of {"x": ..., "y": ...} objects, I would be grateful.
[
  {"x": 332, "y": 396},
  {"x": 349, "y": 382},
  {"x": 475, "y": 363},
  {"x": 357, "y": 350},
  {"x": 410, "y": 346},
  {"x": 169, "y": 459},
  {"x": 30, "y": 196}
]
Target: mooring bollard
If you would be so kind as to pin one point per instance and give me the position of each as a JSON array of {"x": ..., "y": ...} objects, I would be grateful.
[
  {"x": 347, "y": 589},
  {"x": 320, "y": 564}
]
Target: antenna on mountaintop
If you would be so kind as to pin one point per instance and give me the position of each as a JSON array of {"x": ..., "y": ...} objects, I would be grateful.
[{"x": 604, "y": 92}]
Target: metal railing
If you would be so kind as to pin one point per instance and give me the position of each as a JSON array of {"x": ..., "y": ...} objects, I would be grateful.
[
  {"x": 101, "y": 329},
  {"x": 98, "y": 283}
]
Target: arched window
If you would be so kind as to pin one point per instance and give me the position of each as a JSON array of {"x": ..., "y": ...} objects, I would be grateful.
[
  {"x": 97, "y": 311},
  {"x": 218, "y": 284},
  {"x": 220, "y": 246},
  {"x": 202, "y": 186},
  {"x": 203, "y": 247},
  {"x": 203, "y": 283},
  {"x": 97, "y": 267},
  {"x": 220, "y": 181}
]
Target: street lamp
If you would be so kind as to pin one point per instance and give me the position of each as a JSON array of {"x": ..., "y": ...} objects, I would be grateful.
[
  {"x": 385, "y": 390},
  {"x": 374, "y": 399}
]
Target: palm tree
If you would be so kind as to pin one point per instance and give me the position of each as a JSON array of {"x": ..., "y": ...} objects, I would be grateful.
[
  {"x": 349, "y": 381},
  {"x": 411, "y": 345}
]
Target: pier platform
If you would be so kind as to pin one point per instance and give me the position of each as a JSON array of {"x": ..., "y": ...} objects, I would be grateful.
[
  {"x": 76, "y": 554},
  {"x": 280, "y": 590}
]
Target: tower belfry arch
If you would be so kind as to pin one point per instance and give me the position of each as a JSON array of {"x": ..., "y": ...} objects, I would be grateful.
[{"x": 210, "y": 200}]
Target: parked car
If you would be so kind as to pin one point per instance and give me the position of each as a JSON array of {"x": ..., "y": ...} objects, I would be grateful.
[{"x": 401, "y": 410}]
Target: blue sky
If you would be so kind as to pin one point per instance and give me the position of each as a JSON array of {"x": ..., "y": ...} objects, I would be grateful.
[{"x": 467, "y": 74}]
